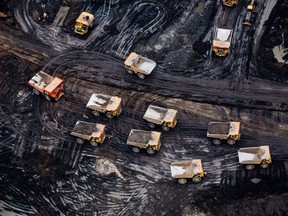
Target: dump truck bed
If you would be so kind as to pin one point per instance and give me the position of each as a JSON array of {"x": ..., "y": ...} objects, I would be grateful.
[
  {"x": 223, "y": 128},
  {"x": 158, "y": 115},
  {"x": 102, "y": 102},
  {"x": 254, "y": 154},
  {"x": 222, "y": 38},
  {"x": 143, "y": 139},
  {"x": 40, "y": 80},
  {"x": 186, "y": 169},
  {"x": 85, "y": 18},
  {"x": 144, "y": 64},
  {"x": 87, "y": 130}
]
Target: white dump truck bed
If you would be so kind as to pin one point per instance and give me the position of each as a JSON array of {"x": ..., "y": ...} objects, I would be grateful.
[
  {"x": 254, "y": 154},
  {"x": 143, "y": 138},
  {"x": 41, "y": 80},
  {"x": 87, "y": 130},
  {"x": 222, "y": 38},
  {"x": 103, "y": 102},
  {"x": 142, "y": 63},
  {"x": 158, "y": 115},
  {"x": 186, "y": 169}
]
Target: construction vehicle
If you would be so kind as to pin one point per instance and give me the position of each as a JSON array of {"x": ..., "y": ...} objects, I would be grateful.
[
  {"x": 190, "y": 169},
  {"x": 222, "y": 41},
  {"x": 251, "y": 5},
  {"x": 229, "y": 131},
  {"x": 140, "y": 139},
  {"x": 93, "y": 132},
  {"x": 161, "y": 116},
  {"x": 102, "y": 103},
  {"x": 249, "y": 15},
  {"x": 255, "y": 155},
  {"x": 139, "y": 65},
  {"x": 230, "y": 3},
  {"x": 50, "y": 87},
  {"x": 83, "y": 22}
]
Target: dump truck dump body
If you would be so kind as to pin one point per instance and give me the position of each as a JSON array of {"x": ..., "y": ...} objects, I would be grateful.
[
  {"x": 144, "y": 139},
  {"x": 254, "y": 155},
  {"x": 223, "y": 130},
  {"x": 186, "y": 169},
  {"x": 103, "y": 103},
  {"x": 230, "y": 3},
  {"x": 222, "y": 41},
  {"x": 139, "y": 64},
  {"x": 83, "y": 22},
  {"x": 160, "y": 115}
]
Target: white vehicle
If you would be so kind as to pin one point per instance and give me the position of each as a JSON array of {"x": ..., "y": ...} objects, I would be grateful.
[{"x": 222, "y": 41}]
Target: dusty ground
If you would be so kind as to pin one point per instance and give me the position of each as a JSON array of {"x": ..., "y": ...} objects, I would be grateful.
[{"x": 43, "y": 170}]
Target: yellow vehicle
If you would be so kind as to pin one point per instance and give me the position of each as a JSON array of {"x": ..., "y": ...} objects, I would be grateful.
[
  {"x": 50, "y": 87},
  {"x": 83, "y": 22},
  {"x": 139, "y": 65},
  {"x": 93, "y": 132},
  {"x": 249, "y": 15},
  {"x": 140, "y": 139},
  {"x": 160, "y": 116},
  {"x": 102, "y": 103},
  {"x": 222, "y": 41},
  {"x": 219, "y": 131},
  {"x": 230, "y": 3},
  {"x": 255, "y": 155},
  {"x": 251, "y": 5},
  {"x": 190, "y": 169}
]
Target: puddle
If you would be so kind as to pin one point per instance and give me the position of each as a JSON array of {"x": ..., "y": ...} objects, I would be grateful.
[{"x": 199, "y": 8}]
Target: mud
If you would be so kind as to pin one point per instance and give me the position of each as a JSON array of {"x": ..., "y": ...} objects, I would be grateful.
[{"x": 45, "y": 172}]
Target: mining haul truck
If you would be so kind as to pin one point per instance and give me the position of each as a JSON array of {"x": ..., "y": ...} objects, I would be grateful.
[
  {"x": 93, "y": 132},
  {"x": 102, "y": 103},
  {"x": 83, "y": 22},
  {"x": 255, "y": 155},
  {"x": 230, "y": 3},
  {"x": 229, "y": 131},
  {"x": 148, "y": 140},
  {"x": 50, "y": 87},
  {"x": 190, "y": 169},
  {"x": 139, "y": 65},
  {"x": 222, "y": 41},
  {"x": 155, "y": 115},
  {"x": 249, "y": 15}
]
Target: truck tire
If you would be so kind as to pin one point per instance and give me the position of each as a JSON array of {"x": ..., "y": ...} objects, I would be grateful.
[
  {"x": 264, "y": 165},
  {"x": 130, "y": 71},
  {"x": 197, "y": 179},
  {"x": 150, "y": 151},
  {"x": 216, "y": 141},
  {"x": 93, "y": 142},
  {"x": 165, "y": 127},
  {"x": 36, "y": 92},
  {"x": 141, "y": 76},
  {"x": 151, "y": 125},
  {"x": 95, "y": 113},
  {"x": 136, "y": 149},
  {"x": 249, "y": 167},
  {"x": 47, "y": 97},
  {"x": 231, "y": 141},
  {"x": 182, "y": 181},
  {"x": 109, "y": 115},
  {"x": 79, "y": 140}
]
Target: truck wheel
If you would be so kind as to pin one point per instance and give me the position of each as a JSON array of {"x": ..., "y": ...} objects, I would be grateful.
[
  {"x": 109, "y": 115},
  {"x": 79, "y": 140},
  {"x": 231, "y": 141},
  {"x": 130, "y": 71},
  {"x": 165, "y": 128},
  {"x": 47, "y": 97},
  {"x": 93, "y": 142},
  {"x": 136, "y": 149},
  {"x": 196, "y": 179},
  {"x": 249, "y": 167},
  {"x": 36, "y": 92},
  {"x": 182, "y": 181},
  {"x": 141, "y": 76},
  {"x": 264, "y": 165},
  {"x": 150, "y": 151},
  {"x": 216, "y": 141},
  {"x": 95, "y": 113},
  {"x": 151, "y": 125}
]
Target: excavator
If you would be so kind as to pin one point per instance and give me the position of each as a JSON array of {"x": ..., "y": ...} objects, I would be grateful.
[{"x": 230, "y": 3}]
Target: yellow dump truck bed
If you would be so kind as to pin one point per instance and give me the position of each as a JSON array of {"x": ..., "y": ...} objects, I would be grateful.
[
  {"x": 223, "y": 129},
  {"x": 254, "y": 155},
  {"x": 143, "y": 64},
  {"x": 103, "y": 102},
  {"x": 87, "y": 130},
  {"x": 85, "y": 18},
  {"x": 158, "y": 115},
  {"x": 186, "y": 169},
  {"x": 143, "y": 139}
]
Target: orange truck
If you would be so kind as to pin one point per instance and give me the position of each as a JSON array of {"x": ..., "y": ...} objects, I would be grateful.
[{"x": 50, "y": 87}]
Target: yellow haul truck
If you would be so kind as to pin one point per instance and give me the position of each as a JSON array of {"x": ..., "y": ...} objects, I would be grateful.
[
  {"x": 148, "y": 140},
  {"x": 190, "y": 169},
  {"x": 93, "y": 132},
  {"x": 160, "y": 116},
  {"x": 249, "y": 15},
  {"x": 83, "y": 22},
  {"x": 252, "y": 156},
  {"x": 222, "y": 41},
  {"x": 139, "y": 65},
  {"x": 230, "y": 3},
  {"x": 229, "y": 131},
  {"x": 102, "y": 103}
]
